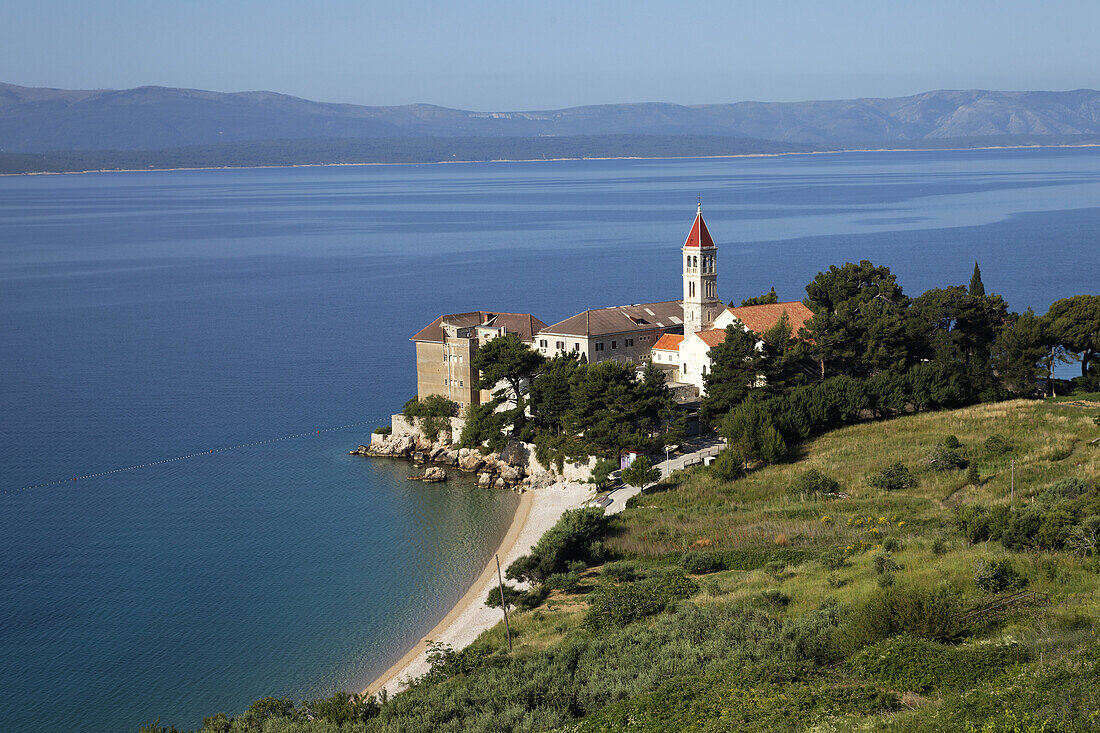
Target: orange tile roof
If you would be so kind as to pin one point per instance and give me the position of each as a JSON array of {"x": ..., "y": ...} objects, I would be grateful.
[
  {"x": 669, "y": 342},
  {"x": 713, "y": 337},
  {"x": 760, "y": 318}
]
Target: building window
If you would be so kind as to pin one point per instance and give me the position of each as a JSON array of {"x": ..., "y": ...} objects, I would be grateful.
[
  {"x": 542, "y": 343},
  {"x": 460, "y": 383},
  {"x": 614, "y": 344},
  {"x": 629, "y": 342},
  {"x": 599, "y": 346},
  {"x": 445, "y": 383},
  {"x": 559, "y": 345},
  {"x": 577, "y": 346}
]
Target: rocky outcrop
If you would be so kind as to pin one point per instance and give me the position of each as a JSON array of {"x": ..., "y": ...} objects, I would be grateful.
[
  {"x": 431, "y": 475},
  {"x": 515, "y": 467}
]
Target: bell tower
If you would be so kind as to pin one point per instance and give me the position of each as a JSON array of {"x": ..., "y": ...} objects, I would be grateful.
[{"x": 701, "y": 304}]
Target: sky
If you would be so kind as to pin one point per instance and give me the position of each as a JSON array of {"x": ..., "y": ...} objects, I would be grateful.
[{"x": 522, "y": 54}]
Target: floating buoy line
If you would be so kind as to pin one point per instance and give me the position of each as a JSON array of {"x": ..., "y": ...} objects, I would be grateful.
[{"x": 198, "y": 454}]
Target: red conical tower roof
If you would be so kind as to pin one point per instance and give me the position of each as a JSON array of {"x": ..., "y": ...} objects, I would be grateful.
[{"x": 699, "y": 236}]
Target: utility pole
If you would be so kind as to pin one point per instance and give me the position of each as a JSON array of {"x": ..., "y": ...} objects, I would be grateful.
[{"x": 504, "y": 605}]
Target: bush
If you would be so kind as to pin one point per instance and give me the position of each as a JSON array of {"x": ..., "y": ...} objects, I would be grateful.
[
  {"x": 575, "y": 537},
  {"x": 431, "y": 412},
  {"x": 1065, "y": 490},
  {"x": 929, "y": 613},
  {"x": 973, "y": 478},
  {"x": 997, "y": 445},
  {"x": 622, "y": 572},
  {"x": 618, "y": 605},
  {"x": 919, "y": 665},
  {"x": 813, "y": 484},
  {"x": 700, "y": 563},
  {"x": 776, "y": 569},
  {"x": 947, "y": 458},
  {"x": 892, "y": 478},
  {"x": 641, "y": 472},
  {"x": 939, "y": 547},
  {"x": 834, "y": 559},
  {"x": 891, "y": 544},
  {"x": 384, "y": 430},
  {"x": 727, "y": 466},
  {"x": 566, "y": 582},
  {"x": 998, "y": 576},
  {"x": 951, "y": 442},
  {"x": 776, "y": 598},
  {"x": 885, "y": 580},
  {"x": 883, "y": 562},
  {"x": 524, "y": 600}
]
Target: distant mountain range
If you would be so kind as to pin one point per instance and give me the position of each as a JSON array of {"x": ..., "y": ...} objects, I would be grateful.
[{"x": 37, "y": 120}]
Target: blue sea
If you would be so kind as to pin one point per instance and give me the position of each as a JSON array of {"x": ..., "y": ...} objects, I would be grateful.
[{"x": 264, "y": 315}]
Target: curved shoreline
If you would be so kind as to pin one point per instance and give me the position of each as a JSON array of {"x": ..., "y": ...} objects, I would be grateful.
[{"x": 538, "y": 510}]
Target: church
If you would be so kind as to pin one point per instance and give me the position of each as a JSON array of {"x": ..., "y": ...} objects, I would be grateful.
[{"x": 675, "y": 335}]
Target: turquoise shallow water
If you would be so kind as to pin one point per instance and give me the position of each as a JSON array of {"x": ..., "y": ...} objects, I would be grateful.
[{"x": 154, "y": 315}]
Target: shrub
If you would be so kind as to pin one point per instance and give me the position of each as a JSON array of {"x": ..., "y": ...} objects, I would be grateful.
[
  {"x": 891, "y": 544},
  {"x": 641, "y": 472},
  {"x": 919, "y": 665},
  {"x": 431, "y": 412},
  {"x": 618, "y": 605},
  {"x": 885, "y": 580},
  {"x": 1064, "y": 490},
  {"x": 929, "y": 613},
  {"x": 566, "y": 582},
  {"x": 775, "y": 570},
  {"x": 813, "y": 484},
  {"x": 574, "y": 537},
  {"x": 700, "y": 563},
  {"x": 776, "y": 598},
  {"x": 939, "y": 547},
  {"x": 622, "y": 572},
  {"x": 384, "y": 430},
  {"x": 727, "y": 466},
  {"x": 998, "y": 576},
  {"x": 973, "y": 478},
  {"x": 883, "y": 562},
  {"x": 524, "y": 600},
  {"x": 834, "y": 559},
  {"x": 997, "y": 445},
  {"x": 754, "y": 558},
  {"x": 947, "y": 458},
  {"x": 892, "y": 478},
  {"x": 951, "y": 442},
  {"x": 601, "y": 472}
]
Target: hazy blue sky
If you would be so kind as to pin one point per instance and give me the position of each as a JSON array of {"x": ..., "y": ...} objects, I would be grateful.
[{"x": 517, "y": 54}]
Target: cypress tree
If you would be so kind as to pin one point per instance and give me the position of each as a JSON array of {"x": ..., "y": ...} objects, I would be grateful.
[{"x": 977, "y": 288}]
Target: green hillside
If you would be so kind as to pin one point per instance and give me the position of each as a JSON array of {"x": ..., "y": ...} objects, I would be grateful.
[{"x": 960, "y": 592}]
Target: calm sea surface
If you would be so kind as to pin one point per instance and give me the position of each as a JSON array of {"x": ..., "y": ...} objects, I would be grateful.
[{"x": 147, "y": 316}]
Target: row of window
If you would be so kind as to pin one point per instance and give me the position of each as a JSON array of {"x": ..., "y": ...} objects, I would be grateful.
[
  {"x": 457, "y": 358},
  {"x": 692, "y": 263},
  {"x": 453, "y": 382}
]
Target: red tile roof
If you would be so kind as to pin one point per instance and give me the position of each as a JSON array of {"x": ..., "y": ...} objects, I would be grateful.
[
  {"x": 669, "y": 342},
  {"x": 760, "y": 318},
  {"x": 699, "y": 236}
]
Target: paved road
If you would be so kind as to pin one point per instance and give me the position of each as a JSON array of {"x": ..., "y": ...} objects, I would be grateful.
[{"x": 700, "y": 449}]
